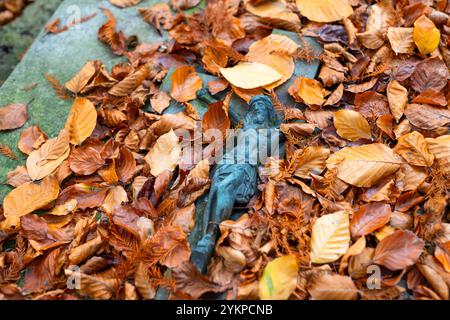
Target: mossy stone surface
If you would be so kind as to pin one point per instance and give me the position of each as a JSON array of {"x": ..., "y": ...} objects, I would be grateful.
[{"x": 62, "y": 55}]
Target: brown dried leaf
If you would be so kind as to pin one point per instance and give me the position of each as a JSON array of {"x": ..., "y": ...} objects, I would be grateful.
[
  {"x": 351, "y": 125},
  {"x": 185, "y": 84},
  {"x": 82, "y": 78},
  {"x": 427, "y": 117},
  {"x": 413, "y": 148},
  {"x": 13, "y": 116},
  {"x": 398, "y": 98},
  {"x": 31, "y": 138},
  {"x": 431, "y": 73},
  {"x": 369, "y": 217}
]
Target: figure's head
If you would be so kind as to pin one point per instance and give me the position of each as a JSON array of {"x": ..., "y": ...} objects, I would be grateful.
[{"x": 261, "y": 113}]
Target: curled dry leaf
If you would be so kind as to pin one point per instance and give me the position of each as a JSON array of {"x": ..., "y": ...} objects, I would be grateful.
[
  {"x": 185, "y": 84},
  {"x": 401, "y": 40},
  {"x": 309, "y": 91},
  {"x": 160, "y": 101},
  {"x": 85, "y": 160},
  {"x": 426, "y": 35},
  {"x": 427, "y": 117},
  {"x": 398, "y": 98},
  {"x": 279, "y": 278},
  {"x": 440, "y": 148},
  {"x": 81, "y": 120},
  {"x": 31, "y": 138},
  {"x": 82, "y": 78},
  {"x": 310, "y": 160},
  {"x": 13, "y": 116},
  {"x": 363, "y": 166},
  {"x": 158, "y": 15},
  {"x": 413, "y": 148},
  {"x": 250, "y": 75},
  {"x": 131, "y": 82},
  {"x": 165, "y": 154},
  {"x": 325, "y": 10},
  {"x": 30, "y": 196},
  {"x": 85, "y": 251},
  {"x": 370, "y": 217},
  {"x": 96, "y": 287},
  {"x": 18, "y": 176},
  {"x": 125, "y": 3},
  {"x": 398, "y": 250},
  {"x": 116, "y": 196},
  {"x": 216, "y": 118},
  {"x": 333, "y": 287},
  {"x": 49, "y": 156},
  {"x": 108, "y": 34},
  {"x": 351, "y": 125},
  {"x": 143, "y": 283},
  {"x": 330, "y": 237}
]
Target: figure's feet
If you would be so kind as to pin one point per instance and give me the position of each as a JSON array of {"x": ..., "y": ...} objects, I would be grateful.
[{"x": 202, "y": 252}]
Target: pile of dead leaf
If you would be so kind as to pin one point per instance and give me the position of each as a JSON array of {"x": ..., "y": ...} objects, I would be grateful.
[
  {"x": 9, "y": 9},
  {"x": 358, "y": 208}
]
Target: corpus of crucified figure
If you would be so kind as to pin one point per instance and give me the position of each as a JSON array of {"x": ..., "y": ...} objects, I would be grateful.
[{"x": 234, "y": 179}]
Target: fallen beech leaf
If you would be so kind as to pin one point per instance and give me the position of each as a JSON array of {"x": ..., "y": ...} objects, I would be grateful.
[
  {"x": 371, "y": 104},
  {"x": 309, "y": 91},
  {"x": 85, "y": 251},
  {"x": 310, "y": 160},
  {"x": 29, "y": 197},
  {"x": 158, "y": 15},
  {"x": 401, "y": 40},
  {"x": 185, "y": 84},
  {"x": 351, "y": 125},
  {"x": 410, "y": 177},
  {"x": 18, "y": 176},
  {"x": 31, "y": 138},
  {"x": 160, "y": 101},
  {"x": 217, "y": 86},
  {"x": 183, "y": 4},
  {"x": 398, "y": 98},
  {"x": 124, "y": 3},
  {"x": 324, "y": 10},
  {"x": 108, "y": 34},
  {"x": 85, "y": 160},
  {"x": 398, "y": 250},
  {"x": 216, "y": 118},
  {"x": 431, "y": 73},
  {"x": 363, "y": 166},
  {"x": 369, "y": 217},
  {"x": 426, "y": 35},
  {"x": 440, "y": 148},
  {"x": 442, "y": 254},
  {"x": 49, "y": 156},
  {"x": 81, "y": 120},
  {"x": 279, "y": 278},
  {"x": 81, "y": 79},
  {"x": 335, "y": 96},
  {"x": 427, "y": 117},
  {"x": 165, "y": 154},
  {"x": 116, "y": 196},
  {"x": 413, "y": 148},
  {"x": 143, "y": 283},
  {"x": 65, "y": 208},
  {"x": 381, "y": 16},
  {"x": 356, "y": 249},
  {"x": 125, "y": 165},
  {"x": 250, "y": 75},
  {"x": 87, "y": 196},
  {"x": 333, "y": 287},
  {"x": 13, "y": 116},
  {"x": 131, "y": 82},
  {"x": 96, "y": 287},
  {"x": 330, "y": 237},
  {"x": 431, "y": 96}
]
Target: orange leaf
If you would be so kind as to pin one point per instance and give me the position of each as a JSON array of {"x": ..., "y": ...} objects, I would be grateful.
[
  {"x": 369, "y": 217},
  {"x": 81, "y": 121},
  {"x": 185, "y": 84}
]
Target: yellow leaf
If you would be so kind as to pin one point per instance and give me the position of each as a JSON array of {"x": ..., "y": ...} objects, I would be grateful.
[
  {"x": 165, "y": 154},
  {"x": 250, "y": 75},
  {"x": 49, "y": 156},
  {"x": 30, "y": 196},
  {"x": 351, "y": 125},
  {"x": 398, "y": 98},
  {"x": 363, "y": 166},
  {"x": 401, "y": 40},
  {"x": 426, "y": 35},
  {"x": 413, "y": 148},
  {"x": 324, "y": 10},
  {"x": 81, "y": 121},
  {"x": 310, "y": 160},
  {"x": 330, "y": 237},
  {"x": 279, "y": 278},
  {"x": 81, "y": 79}
]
